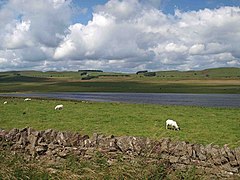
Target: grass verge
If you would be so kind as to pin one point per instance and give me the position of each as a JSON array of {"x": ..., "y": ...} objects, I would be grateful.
[{"x": 16, "y": 166}]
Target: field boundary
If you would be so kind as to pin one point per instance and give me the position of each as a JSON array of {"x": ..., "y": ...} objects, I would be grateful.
[{"x": 215, "y": 161}]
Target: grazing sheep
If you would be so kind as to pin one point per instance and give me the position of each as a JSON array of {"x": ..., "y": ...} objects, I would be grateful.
[
  {"x": 5, "y": 102},
  {"x": 27, "y": 99},
  {"x": 59, "y": 107},
  {"x": 172, "y": 123}
]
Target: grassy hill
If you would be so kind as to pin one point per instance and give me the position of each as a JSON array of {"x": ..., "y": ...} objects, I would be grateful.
[
  {"x": 218, "y": 80},
  {"x": 216, "y": 73}
]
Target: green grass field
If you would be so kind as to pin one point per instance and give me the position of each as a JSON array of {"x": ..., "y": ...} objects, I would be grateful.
[
  {"x": 198, "y": 124},
  {"x": 221, "y": 80}
]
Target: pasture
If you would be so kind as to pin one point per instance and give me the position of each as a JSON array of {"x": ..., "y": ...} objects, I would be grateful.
[
  {"x": 198, "y": 124},
  {"x": 220, "y": 80}
]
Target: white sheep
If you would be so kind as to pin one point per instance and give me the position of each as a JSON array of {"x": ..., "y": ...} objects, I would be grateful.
[
  {"x": 27, "y": 99},
  {"x": 5, "y": 102},
  {"x": 172, "y": 123},
  {"x": 59, "y": 107}
]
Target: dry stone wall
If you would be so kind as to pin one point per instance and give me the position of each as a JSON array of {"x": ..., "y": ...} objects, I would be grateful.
[{"x": 211, "y": 159}]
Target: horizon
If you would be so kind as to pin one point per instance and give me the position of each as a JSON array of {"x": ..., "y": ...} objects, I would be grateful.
[
  {"x": 79, "y": 70},
  {"x": 119, "y": 35}
]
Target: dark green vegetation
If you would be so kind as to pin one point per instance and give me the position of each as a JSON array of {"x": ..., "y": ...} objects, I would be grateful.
[
  {"x": 198, "y": 125},
  {"x": 220, "y": 80}
]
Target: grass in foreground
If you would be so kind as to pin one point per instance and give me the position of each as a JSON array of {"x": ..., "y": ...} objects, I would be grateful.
[
  {"x": 198, "y": 124},
  {"x": 15, "y": 166}
]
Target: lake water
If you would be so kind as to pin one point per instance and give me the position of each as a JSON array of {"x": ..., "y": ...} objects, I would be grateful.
[{"x": 207, "y": 100}]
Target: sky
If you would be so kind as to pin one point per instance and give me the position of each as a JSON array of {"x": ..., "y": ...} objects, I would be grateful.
[{"x": 119, "y": 35}]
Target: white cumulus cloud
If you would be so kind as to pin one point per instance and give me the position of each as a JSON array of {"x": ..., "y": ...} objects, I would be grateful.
[
  {"x": 123, "y": 35},
  {"x": 30, "y": 30},
  {"x": 18, "y": 36}
]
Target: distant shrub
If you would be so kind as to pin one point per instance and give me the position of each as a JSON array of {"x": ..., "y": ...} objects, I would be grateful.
[
  {"x": 83, "y": 73},
  {"x": 150, "y": 74},
  {"x": 90, "y": 70},
  {"x": 141, "y": 72},
  {"x": 16, "y": 74},
  {"x": 89, "y": 77}
]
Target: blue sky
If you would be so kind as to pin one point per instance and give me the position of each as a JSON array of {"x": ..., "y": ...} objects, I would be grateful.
[
  {"x": 167, "y": 6},
  {"x": 89, "y": 5},
  {"x": 189, "y": 5}
]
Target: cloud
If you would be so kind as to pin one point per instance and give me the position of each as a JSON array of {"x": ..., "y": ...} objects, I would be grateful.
[
  {"x": 143, "y": 37},
  {"x": 172, "y": 47},
  {"x": 126, "y": 35},
  {"x": 18, "y": 36},
  {"x": 196, "y": 49},
  {"x": 122, "y": 10},
  {"x": 30, "y": 30}
]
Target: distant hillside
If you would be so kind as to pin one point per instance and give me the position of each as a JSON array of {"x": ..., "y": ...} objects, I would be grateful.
[
  {"x": 219, "y": 80},
  {"x": 214, "y": 73},
  {"x": 223, "y": 72}
]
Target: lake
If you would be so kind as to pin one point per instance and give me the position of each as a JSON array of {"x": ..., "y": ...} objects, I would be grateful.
[{"x": 206, "y": 100}]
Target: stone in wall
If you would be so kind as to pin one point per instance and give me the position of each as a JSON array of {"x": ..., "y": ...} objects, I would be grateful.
[
  {"x": 231, "y": 156},
  {"x": 237, "y": 154},
  {"x": 133, "y": 145}
]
